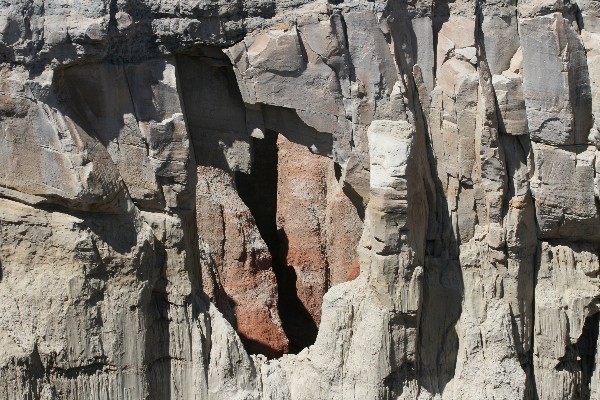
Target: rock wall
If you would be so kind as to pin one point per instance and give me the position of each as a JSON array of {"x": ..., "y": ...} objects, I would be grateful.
[{"x": 299, "y": 199}]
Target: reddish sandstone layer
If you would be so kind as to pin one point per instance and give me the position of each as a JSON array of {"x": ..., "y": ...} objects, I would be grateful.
[
  {"x": 237, "y": 272},
  {"x": 318, "y": 230},
  {"x": 319, "y": 226}
]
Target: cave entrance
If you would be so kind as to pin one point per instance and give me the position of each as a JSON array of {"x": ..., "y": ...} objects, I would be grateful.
[
  {"x": 275, "y": 228},
  {"x": 311, "y": 228}
]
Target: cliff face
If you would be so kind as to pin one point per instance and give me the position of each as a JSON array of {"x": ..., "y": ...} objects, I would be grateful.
[{"x": 299, "y": 199}]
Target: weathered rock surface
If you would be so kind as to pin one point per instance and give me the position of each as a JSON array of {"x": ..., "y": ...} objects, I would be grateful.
[
  {"x": 402, "y": 193},
  {"x": 318, "y": 229},
  {"x": 237, "y": 270}
]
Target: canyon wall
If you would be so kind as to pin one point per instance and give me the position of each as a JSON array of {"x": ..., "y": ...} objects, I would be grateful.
[{"x": 299, "y": 199}]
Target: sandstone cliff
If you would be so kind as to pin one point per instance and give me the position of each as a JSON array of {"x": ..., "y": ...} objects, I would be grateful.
[{"x": 299, "y": 199}]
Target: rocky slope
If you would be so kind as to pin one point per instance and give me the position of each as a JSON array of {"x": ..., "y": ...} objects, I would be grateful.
[{"x": 299, "y": 199}]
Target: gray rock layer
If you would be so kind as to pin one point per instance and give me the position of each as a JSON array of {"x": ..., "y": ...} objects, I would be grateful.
[{"x": 463, "y": 132}]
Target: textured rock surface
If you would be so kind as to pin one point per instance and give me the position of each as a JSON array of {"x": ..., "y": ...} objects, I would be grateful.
[
  {"x": 400, "y": 195},
  {"x": 318, "y": 229},
  {"x": 237, "y": 271}
]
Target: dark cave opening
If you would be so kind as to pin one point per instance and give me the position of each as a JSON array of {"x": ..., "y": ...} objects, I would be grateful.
[
  {"x": 217, "y": 119},
  {"x": 258, "y": 190},
  {"x": 291, "y": 188}
]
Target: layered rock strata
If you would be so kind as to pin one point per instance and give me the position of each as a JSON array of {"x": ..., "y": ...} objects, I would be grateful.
[{"x": 404, "y": 193}]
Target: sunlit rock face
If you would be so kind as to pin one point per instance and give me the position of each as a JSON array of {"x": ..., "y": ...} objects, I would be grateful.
[{"x": 300, "y": 199}]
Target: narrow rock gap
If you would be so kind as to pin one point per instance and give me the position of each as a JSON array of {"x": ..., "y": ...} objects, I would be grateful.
[
  {"x": 259, "y": 188},
  {"x": 259, "y": 191}
]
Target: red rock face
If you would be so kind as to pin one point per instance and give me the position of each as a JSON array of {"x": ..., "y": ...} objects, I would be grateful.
[
  {"x": 309, "y": 225},
  {"x": 237, "y": 266},
  {"x": 317, "y": 224},
  {"x": 301, "y": 219}
]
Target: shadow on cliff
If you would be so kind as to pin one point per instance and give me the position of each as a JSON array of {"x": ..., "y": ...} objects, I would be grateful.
[
  {"x": 158, "y": 339},
  {"x": 214, "y": 111},
  {"x": 298, "y": 324},
  {"x": 98, "y": 96}
]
